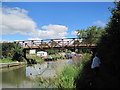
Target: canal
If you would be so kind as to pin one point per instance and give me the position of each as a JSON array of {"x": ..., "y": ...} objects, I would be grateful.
[{"x": 25, "y": 76}]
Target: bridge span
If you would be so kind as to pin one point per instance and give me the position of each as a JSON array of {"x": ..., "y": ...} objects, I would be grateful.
[{"x": 66, "y": 43}]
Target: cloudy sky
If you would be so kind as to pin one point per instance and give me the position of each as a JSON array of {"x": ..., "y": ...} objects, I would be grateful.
[{"x": 44, "y": 20}]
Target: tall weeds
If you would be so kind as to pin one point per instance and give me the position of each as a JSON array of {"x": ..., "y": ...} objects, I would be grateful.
[{"x": 66, "y": 78}]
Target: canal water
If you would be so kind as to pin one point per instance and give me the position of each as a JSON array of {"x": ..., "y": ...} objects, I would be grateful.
[{"x": 25, "y": 76}]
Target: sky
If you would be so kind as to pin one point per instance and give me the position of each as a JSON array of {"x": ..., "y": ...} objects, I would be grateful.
[
  {"x": 58, "y": 0},
  {"x": 49, "y": 20}
]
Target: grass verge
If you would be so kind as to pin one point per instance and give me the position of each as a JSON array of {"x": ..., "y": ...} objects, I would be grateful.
[
  {"x": 38, "y": 59},
  {"x": 6, "y": 60}
]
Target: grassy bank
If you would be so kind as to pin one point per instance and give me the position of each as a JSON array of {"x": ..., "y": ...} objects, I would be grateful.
[
  {"x": 38, "y": 59},
  {"x": 6, "y": 60},
  {"x": 41, "y": 60},
  {"x": 56, "y": 55}
]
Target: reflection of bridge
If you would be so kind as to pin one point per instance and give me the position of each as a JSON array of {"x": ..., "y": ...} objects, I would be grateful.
[{"x": 66, "y": 43}]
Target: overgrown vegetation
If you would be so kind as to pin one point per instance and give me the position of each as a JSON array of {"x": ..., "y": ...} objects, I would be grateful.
[
  {"x": 11, "y": 51},
  {"x": 109, "y": 48},
  {"x": 66, "y": 78},
  {"x": 109, "y": 45},
  {"x": 108, "y": 52},
  {"x": 85, "y": 76}
]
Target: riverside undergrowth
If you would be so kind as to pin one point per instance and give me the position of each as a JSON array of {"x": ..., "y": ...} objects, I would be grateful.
[{"x": 67, "y": 76}]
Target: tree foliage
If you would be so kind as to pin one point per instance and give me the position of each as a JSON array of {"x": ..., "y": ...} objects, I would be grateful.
[
  {"x": 12, "y": 50},
  {"x": 110, "y": 42},
  {"x": 52, "y": 51},
  {"x": 7, "y": 49},
  {"x": 18, "y": 53},
  {"x": 109, "y": 46},
  {"x": 91, "y": 34}
]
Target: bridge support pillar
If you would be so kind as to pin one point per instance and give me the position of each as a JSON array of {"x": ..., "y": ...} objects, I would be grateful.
[{"x": 24, "y": 55}]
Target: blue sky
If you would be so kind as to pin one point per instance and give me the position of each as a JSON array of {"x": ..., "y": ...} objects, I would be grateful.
[{"x": 41, "y": 20}]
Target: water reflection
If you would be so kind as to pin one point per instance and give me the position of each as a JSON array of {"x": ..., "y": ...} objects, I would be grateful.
[
  {"x": 36, "y": 69},
  {"x": 15, "y": 78},
  {"x": 24, "y": 76}
]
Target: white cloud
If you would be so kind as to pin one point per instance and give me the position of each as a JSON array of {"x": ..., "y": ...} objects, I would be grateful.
[
  {"x": 99, "y": 23},
  {"x": 74, "y": 32},
  {"x": 55, "y": 27},
  {"x": 34, "y": 39},
  {"x": 50, "y": 31},
  {"x": 16, "y": 20}
]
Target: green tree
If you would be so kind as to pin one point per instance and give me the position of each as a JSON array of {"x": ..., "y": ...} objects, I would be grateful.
[
  {"x": 12, "y": 50},
  {"x": 51, "y": 51},
  {"x": 7, "y": 49},
  {"x": 109, "y": 43},
  {"x": 109, "y": 48},
  {"x": 90, "y": 35},
  {"x": 18, "y": 53}
]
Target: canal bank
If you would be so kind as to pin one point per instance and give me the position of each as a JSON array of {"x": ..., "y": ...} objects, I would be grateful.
[{"x": 11, "y": 64}]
